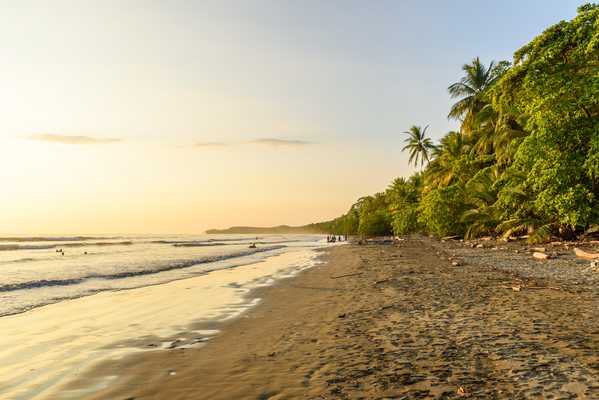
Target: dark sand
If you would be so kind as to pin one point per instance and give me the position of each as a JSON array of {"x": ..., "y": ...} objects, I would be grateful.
[{"x": 403, "y": 324}]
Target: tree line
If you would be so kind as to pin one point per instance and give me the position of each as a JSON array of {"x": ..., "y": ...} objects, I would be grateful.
[{"x": 525, "y": 160}]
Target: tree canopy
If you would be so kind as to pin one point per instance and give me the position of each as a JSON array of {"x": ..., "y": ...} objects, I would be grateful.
[{"x": 526, "y": 157}]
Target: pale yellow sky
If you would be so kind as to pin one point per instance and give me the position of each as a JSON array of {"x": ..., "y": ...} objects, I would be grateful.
[
  {"x": 145, "y": 186},
  {"x": 129, "y": 88}
]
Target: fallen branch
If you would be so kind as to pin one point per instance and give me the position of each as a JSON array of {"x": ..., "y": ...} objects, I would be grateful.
[
  {"x": 514, "y": 288},
  {"x": 346, "y": 275},
  {"x": 540, "y": 256},
  {"x": 519, "y": 288},
  {"x": 544, "y": 287},
  {"x": 583, "y": 254}
]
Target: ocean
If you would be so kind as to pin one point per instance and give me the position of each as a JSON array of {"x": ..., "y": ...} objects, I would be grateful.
[
  {"x": 36, "y": 271},
  {"x": 68, "y": 303}
]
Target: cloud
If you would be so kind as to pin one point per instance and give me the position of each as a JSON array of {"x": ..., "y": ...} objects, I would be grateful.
[
  {"x": 69, "y": 139},
  {"x": 209, "y": 144},
  {"x": 280, "y": 142}
]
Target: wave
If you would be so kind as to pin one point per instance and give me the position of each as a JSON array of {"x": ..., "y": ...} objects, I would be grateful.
[
  {"x": 239, "y": 239},
  {"x": 172, "y": 265},
  {"x": 10, "y": 247},
  {"x": 18, "y": 260},
  {"x": 200, "y": 244},
  {"x": 52, "y": 238},
  {"x": 213, "y": 242}
]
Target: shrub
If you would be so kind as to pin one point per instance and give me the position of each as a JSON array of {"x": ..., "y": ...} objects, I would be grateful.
[{"x": 441, "y": 209}]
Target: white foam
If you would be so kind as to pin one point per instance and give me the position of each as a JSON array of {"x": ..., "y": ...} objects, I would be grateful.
[{"x": 42, "y": 349}]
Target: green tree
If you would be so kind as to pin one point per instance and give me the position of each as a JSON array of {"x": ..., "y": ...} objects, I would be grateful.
[
  {"x": 441, "y": 209},
  {"x": 526, "y": 157},
  {"x": 403, "y": 196},
  {"x": 418, "y": 145},
  {"x": 471, "y": 90},
  {"x": 555, "y": 83},
  {"x": 374, "y": 215}
]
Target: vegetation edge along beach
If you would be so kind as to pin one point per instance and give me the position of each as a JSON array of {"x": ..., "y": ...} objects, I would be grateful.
[{"x": 525, "y": 160}]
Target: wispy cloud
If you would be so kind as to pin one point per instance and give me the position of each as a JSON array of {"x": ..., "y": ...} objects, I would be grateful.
[
  {"x": 269, "y": 142},
  {"x": 280, "y": 142},
  {"x": 210, "y": 144},
  {"x": 73, "y": 139}
]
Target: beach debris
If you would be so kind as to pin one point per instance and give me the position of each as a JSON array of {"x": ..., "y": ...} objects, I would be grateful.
[
  {"x": 461, "y": 391},
  {"x": 455, "y": 263},
  {"x": 175, "y": 343},
  {"x": 342, "y": 315},
  {"x": 479, "y": 246},
  {"x": 519, "y": 288},
  {"x": 451, "y": 237},
  {"x": 540, "y": 256},
  {"x": 583, "y": 254},
  {"x": 538, "y": 249},
  {"x": 594, "y": 267},
  {"x": 346, "y": 275},
  {"x": 274, "y": 353},
  {"x": 172, "y": 372}
]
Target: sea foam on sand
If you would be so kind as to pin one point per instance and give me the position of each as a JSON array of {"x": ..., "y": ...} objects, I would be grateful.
[{"x": 45, "y": 348}]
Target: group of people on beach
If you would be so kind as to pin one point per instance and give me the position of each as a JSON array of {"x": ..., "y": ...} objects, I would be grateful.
[{"x": 333, "y": 238}]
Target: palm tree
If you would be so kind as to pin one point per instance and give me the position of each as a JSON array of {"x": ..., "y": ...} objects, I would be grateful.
[
  {"x": 470, "y": 90},
  {"x": 493, "y": 132},
  {"x": 442, "y": 170},
  {"x": 482, "y": 215},
  {"x": 419, "y": 146}
]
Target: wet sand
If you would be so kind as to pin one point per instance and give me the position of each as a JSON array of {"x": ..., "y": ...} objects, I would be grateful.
[
  {"x": 45, "y": 348},
  {"x": 393, "y": 322}
]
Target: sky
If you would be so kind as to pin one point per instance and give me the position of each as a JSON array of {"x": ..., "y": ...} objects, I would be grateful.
[{"x": 180, "y": 116}]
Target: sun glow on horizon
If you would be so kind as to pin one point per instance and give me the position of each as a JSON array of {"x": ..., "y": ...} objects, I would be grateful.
[{"x": 139, "y": 117}]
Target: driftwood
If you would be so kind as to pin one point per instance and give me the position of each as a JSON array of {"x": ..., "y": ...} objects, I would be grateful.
[
  {"x": 517, "y": 288},
  {"x": 451, "y": 237},
  {"x": 583, "y": 254},
  {"x": 540, "y": 256},
  {"x": 346, "y": 275}
]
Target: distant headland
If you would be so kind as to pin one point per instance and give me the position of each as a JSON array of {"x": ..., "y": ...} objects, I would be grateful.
[{"x": 321, "y": 227}]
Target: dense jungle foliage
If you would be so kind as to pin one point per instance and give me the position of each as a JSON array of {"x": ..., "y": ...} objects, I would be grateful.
[{"x": 525, "y": 160}]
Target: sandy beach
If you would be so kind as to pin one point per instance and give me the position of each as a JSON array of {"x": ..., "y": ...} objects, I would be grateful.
[{"x": 419, "y": 320}]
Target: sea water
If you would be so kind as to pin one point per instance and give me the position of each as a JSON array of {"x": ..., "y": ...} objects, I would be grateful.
[
  {"x": 36, "y": 271},
  {"x": 68, "y": 303}
]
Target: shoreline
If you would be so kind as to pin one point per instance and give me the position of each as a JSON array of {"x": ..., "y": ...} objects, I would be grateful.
[
  {"x": 390, "y": 321},
  {"x": 47, "y": 347}
]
